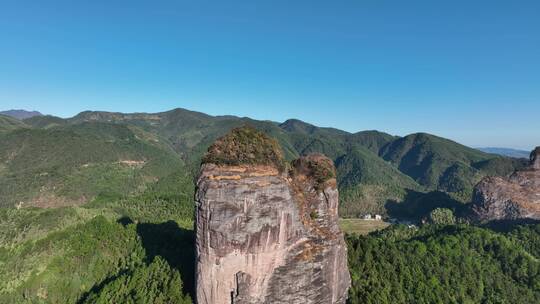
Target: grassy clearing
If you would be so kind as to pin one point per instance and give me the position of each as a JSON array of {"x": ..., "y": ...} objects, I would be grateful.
[{"x": 360, "y": 226}]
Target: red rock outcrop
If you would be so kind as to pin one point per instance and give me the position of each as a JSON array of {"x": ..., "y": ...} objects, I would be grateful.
[
  {"x": 268, "y": 235},
  {"x": 511, "y": 198}
]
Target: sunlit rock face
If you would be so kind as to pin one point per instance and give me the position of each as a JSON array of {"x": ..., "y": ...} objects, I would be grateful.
[
  {"x": 511, "y": 198},
  {"x": 267, "y": 235}
]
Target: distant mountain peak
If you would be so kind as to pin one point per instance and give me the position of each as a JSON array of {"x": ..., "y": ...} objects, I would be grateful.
[
  {"x": 296, "y": 125},
  {"x": 20, "y": 114}
]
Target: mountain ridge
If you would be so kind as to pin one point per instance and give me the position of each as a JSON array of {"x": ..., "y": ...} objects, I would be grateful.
[
  {"x": 517, "y": 153},
  {"x": 375, "y": 167},
  {"x": 20, "y": 114}
]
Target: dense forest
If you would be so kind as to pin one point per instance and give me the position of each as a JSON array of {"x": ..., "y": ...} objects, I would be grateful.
[
  {"x": 446, "y": 264},
  {"x": 140, "y": 250}
]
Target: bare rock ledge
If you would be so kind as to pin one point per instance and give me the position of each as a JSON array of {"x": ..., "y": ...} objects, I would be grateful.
[{"x": 513, "y": 198}]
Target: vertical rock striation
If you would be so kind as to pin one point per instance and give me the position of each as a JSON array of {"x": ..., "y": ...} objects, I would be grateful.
[
  {"x": 511, "y": 198},
  {"x": 267, "y": 233}
]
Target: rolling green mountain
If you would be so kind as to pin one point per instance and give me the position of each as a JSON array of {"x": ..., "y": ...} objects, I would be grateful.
[
  {"x": 441, "y": 164},
  {"x": 374, "y": 168},
  {"x": 45, "y": 121},
  {"x": 367, "y": 182},
  {"x": 433, "y": 163},
  {"x": 76, "y": 163},
  {"x": 8, "y": 123},
  {"x": 190, "y": 133}
]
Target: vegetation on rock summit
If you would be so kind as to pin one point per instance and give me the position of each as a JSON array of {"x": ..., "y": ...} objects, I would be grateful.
[
  {"x": 245, "y": 146},
  {"x": 317, "y": 166}
]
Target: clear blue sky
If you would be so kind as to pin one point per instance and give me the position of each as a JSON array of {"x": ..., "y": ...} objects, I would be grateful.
[{"x": 466, "y": 70}]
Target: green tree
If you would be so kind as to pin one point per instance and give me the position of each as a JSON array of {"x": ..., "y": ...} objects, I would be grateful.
[{"x": 442, "y": 216}]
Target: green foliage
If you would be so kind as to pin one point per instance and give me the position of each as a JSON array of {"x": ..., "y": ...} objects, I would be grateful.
[
  {"x": 501, "y": 166},
  {"x": 59, "y": 267},
  {"x": 9, "y": 124},
  {"x": 318, "y": 167},
  {"x": 454, "y": 264},
  {"x": 441, "y": 164},
  {"x": 66, "y": 255},
  {"x": 442, "y": 216},
  {"x": 44, "y": 121},
  {"x": 371, "y": 140},
  {"x": 417, "y": 205},
  {"x": 75, "y": 163},
  {"x": 367, "y": 183},
  {"x": 156, "y": 283},
  {"x": 245, "y": 145}
]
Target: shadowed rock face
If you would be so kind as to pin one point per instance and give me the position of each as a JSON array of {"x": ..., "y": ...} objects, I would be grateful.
[
  {"x": 515, "y": 197},
  {"x": 535, "y": 159},
  {"x": 265, "y": 236}
]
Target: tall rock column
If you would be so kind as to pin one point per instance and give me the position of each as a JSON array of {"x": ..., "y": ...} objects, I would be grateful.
[{"x": 267, "y": 232}]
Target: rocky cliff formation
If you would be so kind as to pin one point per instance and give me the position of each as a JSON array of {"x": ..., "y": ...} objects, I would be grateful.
[
  {"x": 267, "y": 232},
  {"x": 514, "y": 197}
]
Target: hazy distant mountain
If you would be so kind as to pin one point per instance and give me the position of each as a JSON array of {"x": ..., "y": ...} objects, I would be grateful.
[
  {"x": 20, "y": 114},
  {"x": 506, "y": 152}
]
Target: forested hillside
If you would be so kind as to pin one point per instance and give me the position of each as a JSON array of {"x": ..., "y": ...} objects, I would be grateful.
[
  {"x": 140, "y": 250},
  {"x": 376, "y": 170},
  {"x": 74, "y": 164},
  {"x": 8, "y": 123},
  {"x": 446, "y": 264},
  {"x": 137, "y": 249}
]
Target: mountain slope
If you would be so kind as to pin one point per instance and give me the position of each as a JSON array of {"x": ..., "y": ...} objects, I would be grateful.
[
  {"x": 373, "y": 140},
  {"x": 44, "y": 121},
  {"x": 366, "y": 183},
  {"x": 74, "y": 164},
  {"x": 8, "y": 123},
  {"x": 377, "y": 167},
  {"x": 82, "y": 254},
  {"x": 20, "y": 114},
  {"x": 441, "y": 164}
]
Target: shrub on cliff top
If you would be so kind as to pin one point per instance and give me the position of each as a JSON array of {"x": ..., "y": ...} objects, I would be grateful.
[
  {"x": 245, "y": 146},
  {"x": 317, "y": 166}
]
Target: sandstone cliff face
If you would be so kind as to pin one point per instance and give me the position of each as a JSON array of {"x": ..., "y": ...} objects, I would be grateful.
[
  {"x": 265, "y": 236},
  {"x": 515, "y": 197}
]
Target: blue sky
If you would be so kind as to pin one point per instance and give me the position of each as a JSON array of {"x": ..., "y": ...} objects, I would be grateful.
[{"x": 466, "y": 70}]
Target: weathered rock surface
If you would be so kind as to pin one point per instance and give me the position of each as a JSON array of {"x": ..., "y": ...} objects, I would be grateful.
[
  {"x": 266, "y": 236},
  {"x": 511, "y": 198}
]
